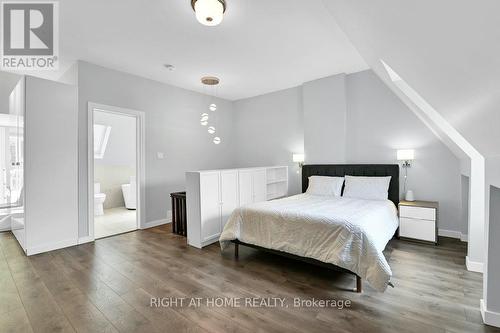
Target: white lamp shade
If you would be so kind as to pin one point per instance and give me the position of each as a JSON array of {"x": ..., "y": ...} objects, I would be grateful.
[
  {"x": 209, "y": 12},
  {"x": 298, "y": 158},
  {"x": 406, "y": 154}
]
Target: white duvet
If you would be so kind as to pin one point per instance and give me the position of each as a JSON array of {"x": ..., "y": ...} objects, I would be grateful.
[{"x": 349, "y": 233}]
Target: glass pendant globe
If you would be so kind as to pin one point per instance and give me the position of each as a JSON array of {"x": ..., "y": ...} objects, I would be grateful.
[
  {"x": 204, "y": 119},
  {"x": 217, "y": 140},
  {"x": 209, "y": 12},
  {"x": 212, "y": 107},
  {"x": 211, "y": 130}
]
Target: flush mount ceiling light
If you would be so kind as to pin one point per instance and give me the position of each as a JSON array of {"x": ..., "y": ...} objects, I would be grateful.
[
  {"x": 209, "y": 12},
  {"x": 210, "y": 80}
]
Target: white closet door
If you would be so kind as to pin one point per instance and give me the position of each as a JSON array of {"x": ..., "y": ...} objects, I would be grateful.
[
  {"x": 246, "y": 187},
  {"x": 210, "y": 205},
  {"x": 259, "y": 185},
  {"x": 229, "y": 194}
]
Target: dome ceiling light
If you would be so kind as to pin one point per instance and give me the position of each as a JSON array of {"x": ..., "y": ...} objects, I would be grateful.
[{"x": 209, "y": 12}]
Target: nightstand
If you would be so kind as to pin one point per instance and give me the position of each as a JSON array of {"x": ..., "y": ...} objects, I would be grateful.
[{"x": 418, "y": 220}]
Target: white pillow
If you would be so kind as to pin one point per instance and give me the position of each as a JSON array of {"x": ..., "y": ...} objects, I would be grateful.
[
  {"x": 369, "y": 188},
  {"x": 323, "y": 185}
]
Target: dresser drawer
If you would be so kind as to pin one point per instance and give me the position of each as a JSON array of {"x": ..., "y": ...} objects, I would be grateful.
[
  {"x": 421, "y": 213},
  {"x": 417, "y": 229}
]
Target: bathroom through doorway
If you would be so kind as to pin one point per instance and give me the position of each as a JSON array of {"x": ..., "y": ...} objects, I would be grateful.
[{"x": 114, "y": 170}]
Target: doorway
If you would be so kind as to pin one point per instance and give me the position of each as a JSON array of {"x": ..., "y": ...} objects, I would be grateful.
[{"x": 116, "y": 170}]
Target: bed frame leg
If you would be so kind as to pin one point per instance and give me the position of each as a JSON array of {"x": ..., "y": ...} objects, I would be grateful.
[
  {"x": 359, "y": 284},
  {"x": 236, "y": 250}
]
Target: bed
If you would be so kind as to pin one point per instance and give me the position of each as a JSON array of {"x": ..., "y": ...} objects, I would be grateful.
[{"x": 342, "y": 233}]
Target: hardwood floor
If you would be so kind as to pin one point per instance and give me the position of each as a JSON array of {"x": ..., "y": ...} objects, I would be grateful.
[{"x": 107, "y": 286}]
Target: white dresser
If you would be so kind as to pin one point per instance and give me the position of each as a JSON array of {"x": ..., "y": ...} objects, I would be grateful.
[
  {"x": 212, "y": 195},
  {"x": 418, "y": 220}
]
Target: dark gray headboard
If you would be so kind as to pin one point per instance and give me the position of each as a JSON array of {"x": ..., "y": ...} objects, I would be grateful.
[{"x": 341, "y": 170}]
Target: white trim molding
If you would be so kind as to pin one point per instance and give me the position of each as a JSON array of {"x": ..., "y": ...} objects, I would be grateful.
[
  {"x": 473, "y": 266},
  {"x": 453, "y": 234},
  {"x": 51, "y": 246},
  {"x": 489, "y": 317},
  {"x": 156, "y": 223},
  {"x": 86, "y": 239}
]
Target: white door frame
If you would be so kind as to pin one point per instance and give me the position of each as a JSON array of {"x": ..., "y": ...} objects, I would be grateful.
[{"x": 140, "y": 161}]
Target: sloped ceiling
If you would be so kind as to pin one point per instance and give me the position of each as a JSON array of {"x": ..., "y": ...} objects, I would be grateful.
[
  {"x": 447, "y": 50},
  {"x": 261, "y": 46}
]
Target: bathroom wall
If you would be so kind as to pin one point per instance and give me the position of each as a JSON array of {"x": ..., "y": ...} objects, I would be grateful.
[{"x": 119, "y": 160}]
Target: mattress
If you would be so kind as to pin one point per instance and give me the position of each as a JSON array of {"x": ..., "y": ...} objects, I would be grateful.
[{"x": 347, "y": 232}]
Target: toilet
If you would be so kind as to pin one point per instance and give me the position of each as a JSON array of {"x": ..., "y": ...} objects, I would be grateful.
[{"x": 99, "y": 199}]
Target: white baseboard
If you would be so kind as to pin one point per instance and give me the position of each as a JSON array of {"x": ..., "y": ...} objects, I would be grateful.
[
  {"x": 86, "y": 239},
  {"x": 156, "y": 223},
  {"x": 473, "y": 266},
  {"x": 453, "y": 234},
  {"x": 51, "y": 246},
  {"x": 489, "y": 317}
]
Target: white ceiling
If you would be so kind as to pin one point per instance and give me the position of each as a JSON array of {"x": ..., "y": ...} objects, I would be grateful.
[
  {"x": 447, "y": 50},
  {"x": 261, "y": 46}
]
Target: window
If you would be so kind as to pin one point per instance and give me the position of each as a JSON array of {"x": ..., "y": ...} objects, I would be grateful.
[{"x": 101, "y": 137}]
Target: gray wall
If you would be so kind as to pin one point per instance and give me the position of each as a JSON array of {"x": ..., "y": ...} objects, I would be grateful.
[
  {"x": 269, "y": 129},
  {"x": 172, "y": 126},
  {"x": 376, "y": 124},
  {"x": 324, "y": 108}
]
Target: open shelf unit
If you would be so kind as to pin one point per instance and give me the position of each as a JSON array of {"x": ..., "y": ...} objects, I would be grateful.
[{"x": 277, "y": 182}]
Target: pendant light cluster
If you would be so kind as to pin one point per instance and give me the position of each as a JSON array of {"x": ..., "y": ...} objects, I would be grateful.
[
  {"x": 209, "y": 118},
  {"x": 209, "y": 12}
]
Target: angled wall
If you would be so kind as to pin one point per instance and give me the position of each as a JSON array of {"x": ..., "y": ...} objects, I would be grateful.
[
  {"x": 378, "y": 124},
  {"x": 453, "y": 62}
]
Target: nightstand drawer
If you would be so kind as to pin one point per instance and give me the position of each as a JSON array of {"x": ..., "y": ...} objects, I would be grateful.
[
  {"x": 417, "y": 229},
  {"x": 421, "y": 213}
]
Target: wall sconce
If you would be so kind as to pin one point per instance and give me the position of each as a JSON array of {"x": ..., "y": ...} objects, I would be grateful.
[
  {"x": 299, "y": 158},
  {"x": 406, "y": 155}
]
